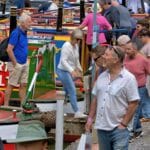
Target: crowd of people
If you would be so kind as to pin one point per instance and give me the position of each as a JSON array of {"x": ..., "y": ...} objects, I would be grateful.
[{"x": 124, "y": 83}]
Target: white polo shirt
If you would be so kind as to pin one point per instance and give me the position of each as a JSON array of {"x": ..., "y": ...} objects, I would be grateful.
[{"x": 113, "y": 97}]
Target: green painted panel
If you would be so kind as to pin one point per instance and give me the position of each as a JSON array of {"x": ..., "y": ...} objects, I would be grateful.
[{"x": 45, "y": 80}]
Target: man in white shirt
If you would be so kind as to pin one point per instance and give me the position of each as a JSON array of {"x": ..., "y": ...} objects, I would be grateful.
[{"x": 116, "y": 99}]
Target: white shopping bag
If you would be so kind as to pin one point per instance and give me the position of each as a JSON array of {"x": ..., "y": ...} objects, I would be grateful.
[
  {"x": 85, "y": 142},
  {"x": 82, "y": 141}
]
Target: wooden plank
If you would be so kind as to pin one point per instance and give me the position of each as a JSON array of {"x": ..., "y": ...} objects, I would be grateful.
[{"x": 10, "y": 108}]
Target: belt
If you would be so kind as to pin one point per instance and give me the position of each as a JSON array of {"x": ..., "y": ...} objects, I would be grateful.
[{"x": 141, "y": 86}]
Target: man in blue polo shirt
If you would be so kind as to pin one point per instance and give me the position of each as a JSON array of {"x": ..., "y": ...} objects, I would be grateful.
[{"x": 18, "y": 52}]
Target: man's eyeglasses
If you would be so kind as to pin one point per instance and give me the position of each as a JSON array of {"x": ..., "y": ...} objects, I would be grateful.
[
  {"x": 140, "y": 36},
  {"x": 138, "y": 26},
  {"x": 95, "y": 59}
]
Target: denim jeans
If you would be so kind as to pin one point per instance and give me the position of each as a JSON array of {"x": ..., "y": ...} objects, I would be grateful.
[
  {"x": 116, "y": 139},
  {"x": 143, "y": 109},
  {"x": 137, "y": 127},
  {"x": 69, "y": 87},
  {"x": 145, "y": 99}
]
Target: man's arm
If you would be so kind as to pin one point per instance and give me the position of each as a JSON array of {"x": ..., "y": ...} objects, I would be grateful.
[
  {"x": 11, "y": 54},
  {"x": 91, "y": 116},
  {"x": 130, "y": 112},
  {"x": 147, "y": 66}
]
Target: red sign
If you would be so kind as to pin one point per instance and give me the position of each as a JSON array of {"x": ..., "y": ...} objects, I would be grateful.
[{"x": 3, "y": 74}]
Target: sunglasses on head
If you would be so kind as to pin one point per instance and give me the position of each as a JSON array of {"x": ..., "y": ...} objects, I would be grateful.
[
  {"x": 78, "y": 39},
  {"x": 115, "y": 50}
]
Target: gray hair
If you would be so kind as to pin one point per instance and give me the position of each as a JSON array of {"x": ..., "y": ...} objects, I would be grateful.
[
  {"x": 117, "y": 50},
  {"x": 77, "y": 33},
  {"x": 134, "y": 44},
  {"x": 99, "y": 50},
  {"x": 123, "y": 40}
]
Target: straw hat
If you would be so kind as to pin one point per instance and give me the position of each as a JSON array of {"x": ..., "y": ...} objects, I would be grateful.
[{"x": 32, "y": 130}]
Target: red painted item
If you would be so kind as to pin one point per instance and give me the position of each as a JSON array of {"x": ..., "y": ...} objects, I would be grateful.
[
  {"x": 1, "y": 98},
  {"x": 5, "y": 115},
  {"x": 3, "y": 75},
  {"x": 9, "y": 147}
]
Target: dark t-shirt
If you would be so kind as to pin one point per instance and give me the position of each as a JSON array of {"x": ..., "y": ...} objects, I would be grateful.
[{"x": 112, "y": 15}]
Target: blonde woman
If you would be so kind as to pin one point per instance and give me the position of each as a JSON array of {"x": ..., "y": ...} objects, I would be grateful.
[{"x": 69, "y": 69}]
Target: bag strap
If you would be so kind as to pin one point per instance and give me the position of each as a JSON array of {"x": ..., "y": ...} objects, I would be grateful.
[{"x": 19, "y": 34}]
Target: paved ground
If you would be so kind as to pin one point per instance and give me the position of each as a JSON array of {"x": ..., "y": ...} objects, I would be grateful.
[{"x": 142, "y": 143}]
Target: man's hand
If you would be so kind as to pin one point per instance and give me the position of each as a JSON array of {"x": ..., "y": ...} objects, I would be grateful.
[
  {"x": 17, "y": 65},
  {"x": 11, "y": 54},
  {"x": 122, "y": 126},
  {"x": 76, "y": 73},
  {"x": 88, "y": 125}
]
